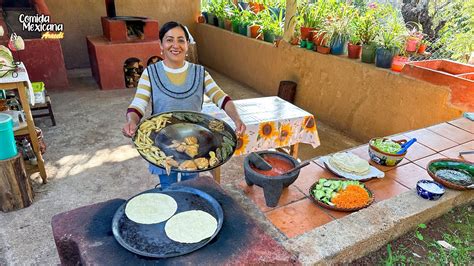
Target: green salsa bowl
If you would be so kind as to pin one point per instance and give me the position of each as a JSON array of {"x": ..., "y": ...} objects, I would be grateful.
[{"x": 452, "y": 173}]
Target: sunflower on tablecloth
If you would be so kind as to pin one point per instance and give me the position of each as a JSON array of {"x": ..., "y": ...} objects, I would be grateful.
[
  {"x": 242, "y": 142},
  {"x": 309, "y": 125},
  {"x": 284, "y": 136},
  {"x": 266, "y": 131}
]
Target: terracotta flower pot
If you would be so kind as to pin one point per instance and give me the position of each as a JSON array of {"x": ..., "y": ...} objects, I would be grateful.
[
  {"x": 228, "y": 24},
  {"x": 412, "y": 43},
  {"x": 323, "y": 49},
  {"x": 294, "y": 41},
  {"x": 398, "y": 63},
  {"x": 255, "y": 32},
  {"x": 318, "y": 38},
  {"x": 201, "y": 19},
  {"x": 306, "y": 33},
  {"x": 254, "y": 7},
  {"x": 422, "y": 48},
  {"x": 354, "y": 51}
]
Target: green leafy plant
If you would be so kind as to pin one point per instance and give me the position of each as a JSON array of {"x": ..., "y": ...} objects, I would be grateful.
[
  {"x": 392, "y": 34},
  {"x": 271, "y": 23},
  {"x": 417, "y": 232},
  {"x": 337, "y": 26}
]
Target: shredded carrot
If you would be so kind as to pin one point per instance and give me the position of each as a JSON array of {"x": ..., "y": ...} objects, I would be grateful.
[{"x": 352, "y": 197}]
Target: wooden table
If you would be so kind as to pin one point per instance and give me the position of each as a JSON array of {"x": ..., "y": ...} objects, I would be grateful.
[
  {"x": 272, "y": 123},
  {"x": 22, "y": 84}
]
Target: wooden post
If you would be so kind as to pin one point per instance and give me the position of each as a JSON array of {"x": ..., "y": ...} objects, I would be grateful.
[
  {"x": 290, "y": 20},
  {"x": 15, "y": 186}
]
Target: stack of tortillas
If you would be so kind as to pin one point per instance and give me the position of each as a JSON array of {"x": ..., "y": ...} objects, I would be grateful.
[
  {"x": 185, "y": 227},
  {"x": 349, "y": 163}
]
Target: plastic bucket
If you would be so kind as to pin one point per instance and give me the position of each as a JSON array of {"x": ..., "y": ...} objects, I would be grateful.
[{"x": 7, "y": 140}]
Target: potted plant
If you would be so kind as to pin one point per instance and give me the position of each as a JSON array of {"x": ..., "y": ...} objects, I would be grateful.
[
  {"x": 324, "y": 37},
  {"x": 246, "y": 18},
  {"x": 275, "y": 7},
  {"x": 243, "y": 5},
  {"x": 305, "y": 20},
  {"x": 423, "y": 45},
  {"x": 354, "y": 46},
  {"x": 220, "y": 11},
  {"x": 399, "y": 61},
  {"x": 415, "y": 35},
  {"x": 339, "y": 27},
  {"x": 255, "y": 28},
  {"x": 367, "y": 28},
  {"x": 389, "y": 41},
  {"x": 272, "y": 27},
  {"x": 213, "y": 9}
]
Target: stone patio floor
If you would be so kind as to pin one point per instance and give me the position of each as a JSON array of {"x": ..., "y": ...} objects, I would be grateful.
[{"x": 89, "y": 161}]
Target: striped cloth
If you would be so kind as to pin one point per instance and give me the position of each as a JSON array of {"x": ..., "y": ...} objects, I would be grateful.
[{"x": 177, "y": 77}]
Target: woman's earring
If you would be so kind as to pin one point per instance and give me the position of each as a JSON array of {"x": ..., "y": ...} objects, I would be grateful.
[{"x": 161, "y": 52}]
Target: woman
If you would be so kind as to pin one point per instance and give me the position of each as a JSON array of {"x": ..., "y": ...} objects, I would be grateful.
[{"x": 175, "y": 84}]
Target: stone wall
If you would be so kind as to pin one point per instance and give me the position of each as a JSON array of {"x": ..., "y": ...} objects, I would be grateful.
[
  {"x": 360, "y": 99},
  {"x": 82, "y": 18}
]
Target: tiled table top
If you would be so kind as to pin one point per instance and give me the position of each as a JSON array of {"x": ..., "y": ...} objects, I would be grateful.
[{"x": 297, "y": 214}]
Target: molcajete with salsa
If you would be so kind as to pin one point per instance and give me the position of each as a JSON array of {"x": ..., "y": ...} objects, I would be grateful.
[{"x": 272, "y": 181}]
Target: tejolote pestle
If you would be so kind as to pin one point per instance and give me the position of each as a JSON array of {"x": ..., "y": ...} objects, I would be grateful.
[
  {"x": 296, "y": 168},
  {"x": 259, "y": 162}
]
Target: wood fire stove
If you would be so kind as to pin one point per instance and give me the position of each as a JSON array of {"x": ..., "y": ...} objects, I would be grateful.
[{"x": 125, "y": 39}]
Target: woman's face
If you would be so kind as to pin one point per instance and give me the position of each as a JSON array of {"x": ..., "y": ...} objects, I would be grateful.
[{"x": 174, "y": 45}]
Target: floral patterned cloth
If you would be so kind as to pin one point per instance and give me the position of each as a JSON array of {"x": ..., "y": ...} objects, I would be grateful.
[{"x": 271, "y": 123}]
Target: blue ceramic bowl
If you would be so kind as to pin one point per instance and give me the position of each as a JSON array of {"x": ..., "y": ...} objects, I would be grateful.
[{"x": 429, "y": 190}]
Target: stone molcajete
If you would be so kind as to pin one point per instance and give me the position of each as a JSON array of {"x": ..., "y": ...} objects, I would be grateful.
[{"x": 272, "y": 181}]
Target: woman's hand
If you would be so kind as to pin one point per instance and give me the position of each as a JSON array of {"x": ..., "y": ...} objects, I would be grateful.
[
  {"x": 234, "y": 115},
  {"x": 130, "y": 127},
  {"x": 239, "y": 128}
]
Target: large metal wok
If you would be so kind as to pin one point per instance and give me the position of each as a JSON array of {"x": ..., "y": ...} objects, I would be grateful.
[{"x": 184, "y": 124}]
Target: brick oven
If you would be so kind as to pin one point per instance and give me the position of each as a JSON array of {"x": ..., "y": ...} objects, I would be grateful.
[{"x": 127, "y": 45}]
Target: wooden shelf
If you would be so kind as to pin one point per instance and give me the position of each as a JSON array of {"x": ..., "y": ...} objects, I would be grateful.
[{"x": 22, "y": 129}]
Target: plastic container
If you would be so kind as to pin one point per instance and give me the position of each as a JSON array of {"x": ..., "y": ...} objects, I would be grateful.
[{"x": 7, "y": 140}]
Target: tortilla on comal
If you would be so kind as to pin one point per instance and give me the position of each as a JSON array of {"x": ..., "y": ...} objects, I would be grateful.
[
  {"x": 150, "y": 208},
  {"x": 191, "y": 226},
  {"x": 349, "y": 163}
]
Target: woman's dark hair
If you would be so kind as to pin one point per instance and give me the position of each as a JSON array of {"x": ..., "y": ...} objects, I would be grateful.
[{"x": 171, "y": 25}]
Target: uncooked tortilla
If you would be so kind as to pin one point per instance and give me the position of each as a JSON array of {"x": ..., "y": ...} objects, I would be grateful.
[
  {"x": 191, "y": 226},
  {"x": 349, "y": 163},
  {"x": 150, "y": 208}
]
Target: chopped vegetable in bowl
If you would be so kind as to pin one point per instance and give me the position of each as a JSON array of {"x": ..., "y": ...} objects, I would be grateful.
[
  {"x": 343, "y": 194},
  {"x": 386, "y": 145}
]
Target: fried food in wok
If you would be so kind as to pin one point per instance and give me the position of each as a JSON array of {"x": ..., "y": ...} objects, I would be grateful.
[
  {"x": 192, "y": 150},
  {"x": 213, "y": 160},
  {"x": 202, "y": 163},
  {"x": 191, "y": 140},
  {"x": 190, "y": 146},
  {"x": 187, "y": 165}
]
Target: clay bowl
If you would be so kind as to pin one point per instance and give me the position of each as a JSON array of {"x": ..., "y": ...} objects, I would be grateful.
[
  {"x": 453, "y": 164},
  {"x": 385, "y": 158}
]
